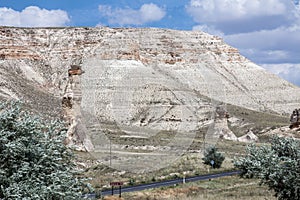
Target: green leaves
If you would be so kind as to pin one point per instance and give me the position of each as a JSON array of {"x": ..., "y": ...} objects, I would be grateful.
[
  {"x": 34, "y": 162},
  {"x": 276, "y": 165},
  {"x": 212, "y": 157}
]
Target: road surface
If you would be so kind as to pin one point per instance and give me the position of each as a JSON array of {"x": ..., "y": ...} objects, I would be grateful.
[{"x": 161, "y": 184}]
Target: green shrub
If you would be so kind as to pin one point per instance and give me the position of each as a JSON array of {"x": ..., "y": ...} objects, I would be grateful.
[
  {"x": 277, "y": 166},
  {"x": 132, "y": 181},
  {"x": 212, "y": 157},
  {"x": 34, "y": 162}
]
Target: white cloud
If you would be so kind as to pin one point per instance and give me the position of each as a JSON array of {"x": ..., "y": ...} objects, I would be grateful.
[
  {"x": 209, "y": 29},
  {"x": 122, "y": 16},
  {"x": 33, "y": 16},
  {"x": 287, "y": 71},
  {"x": 269, "y": 46},
  {"x": 265, "y": 31},
  {"x": 224, "y": 10},
  {"x": 105, "y": 10},
  {"x": 151, "y": 12},
  {"x": 282, "y": 37},
  {"x": 232, "y": 16}
]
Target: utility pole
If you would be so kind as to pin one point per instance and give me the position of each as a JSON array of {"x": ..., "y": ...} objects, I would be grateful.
[
  {"x": 110, "y": 153},
  {"x": 203, "y": 142}
]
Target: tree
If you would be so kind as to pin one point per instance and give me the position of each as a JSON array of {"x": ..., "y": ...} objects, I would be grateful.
[
  {"x": 34, "y": 162},
  {"x": 277, "y": 165},
  {"x": 213, "y": 157}
]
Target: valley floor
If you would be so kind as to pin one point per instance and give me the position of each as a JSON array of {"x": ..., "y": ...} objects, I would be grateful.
[{"x": 227, "y": 188}]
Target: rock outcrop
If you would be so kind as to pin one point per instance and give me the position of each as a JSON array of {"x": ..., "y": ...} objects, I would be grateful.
[
  {"x": 155, "y": 79},
  {"x": 295, "y": 119},
  {"x": 249, "y": 137}
]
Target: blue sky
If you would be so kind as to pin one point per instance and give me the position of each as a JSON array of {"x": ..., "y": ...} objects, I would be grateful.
[{"x": 265, "y": 31}]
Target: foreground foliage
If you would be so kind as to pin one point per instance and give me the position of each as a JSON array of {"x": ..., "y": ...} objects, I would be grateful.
[
  {"x": 277, "y": 165},
  {"x": 213, "y": 157},
  {"x": 34, "y": 162}
]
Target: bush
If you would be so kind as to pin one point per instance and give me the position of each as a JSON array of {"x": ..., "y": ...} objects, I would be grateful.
[
  {"x": 212, "y": 157},
  {"x": 34, "y": 162},
  {"x": 132, "y": 181},
  {"x": 276, "y": 165}
]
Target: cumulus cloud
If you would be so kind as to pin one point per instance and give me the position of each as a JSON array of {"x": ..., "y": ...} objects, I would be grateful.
[
  {"x": 33, "y": 16},
  {"x": 265, "y": 31},
  {"x": 287, "y": 71},
  {"x": 224, "y": 10},
  {"x": 125, "y": 16},
  {"x": 282, "y": 37},
  {"x": 208, "y": 29},
  {"x": 267, "y": 46},
  {"x": 231, "y": 16},
  {"x": 270, "y": 56}
]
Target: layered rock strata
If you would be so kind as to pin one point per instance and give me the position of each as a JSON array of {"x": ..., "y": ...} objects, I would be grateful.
[{"x": 155, "y": 79}]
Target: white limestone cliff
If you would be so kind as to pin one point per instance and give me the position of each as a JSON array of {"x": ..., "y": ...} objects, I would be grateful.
[{"x": 129, "y": 73}]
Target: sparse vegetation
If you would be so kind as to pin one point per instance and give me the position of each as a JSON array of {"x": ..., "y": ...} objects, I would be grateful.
[
  {"x": 192, "y": 164},
  {"x": 225, "y": 188},
  {"x": 254, "y": 120},
  {"x": 277, "y": 165},
  {"x": 188, "y": 165}
]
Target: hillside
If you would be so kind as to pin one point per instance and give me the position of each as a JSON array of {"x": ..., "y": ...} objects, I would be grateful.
[
  {"x": 194, "y": 60},
  {"x": 155, "y": 88}
]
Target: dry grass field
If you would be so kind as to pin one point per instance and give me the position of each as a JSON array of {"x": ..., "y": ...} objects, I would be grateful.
[
  {"x": 191, "y": 164},
  {"x": 227, "y": 188}
]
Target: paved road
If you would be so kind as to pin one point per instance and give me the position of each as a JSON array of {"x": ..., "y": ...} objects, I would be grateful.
[{"x": 164, "y": 183}]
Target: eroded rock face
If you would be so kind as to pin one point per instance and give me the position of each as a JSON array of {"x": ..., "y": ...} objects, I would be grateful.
[{"x": 133, "y": 78}]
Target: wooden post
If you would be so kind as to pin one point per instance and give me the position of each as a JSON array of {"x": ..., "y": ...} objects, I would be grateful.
[{"x": 116, "y": 184}]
